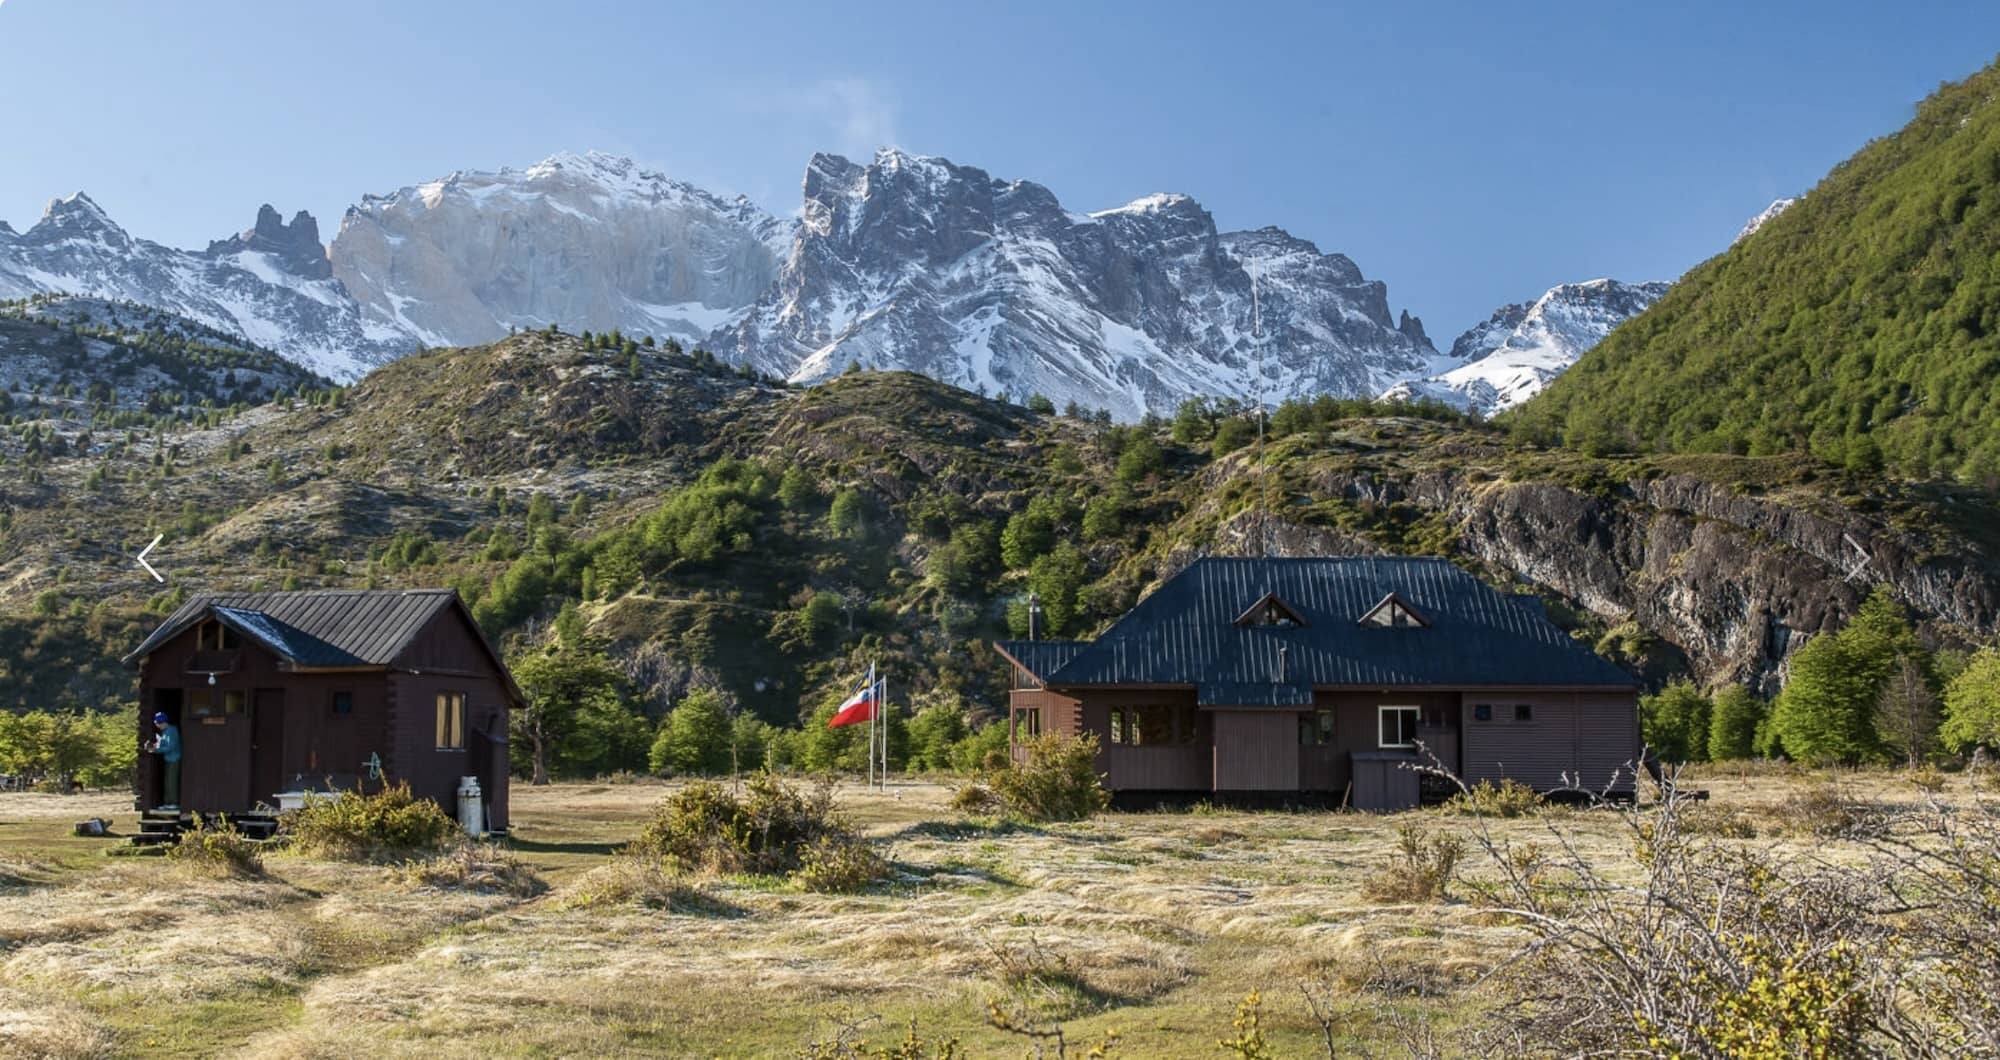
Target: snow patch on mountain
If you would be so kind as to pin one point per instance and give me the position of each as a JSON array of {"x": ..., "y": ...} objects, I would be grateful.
[
  {"x": 1777, "y": 207},
  {"x": 917, "y": 262},
  {"x": 1512, "y": 355}
]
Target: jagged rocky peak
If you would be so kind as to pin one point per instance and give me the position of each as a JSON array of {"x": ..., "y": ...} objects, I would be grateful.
[
  {"x": 77, "y": 215},
  {"x": 295, "y": 245},
  {"x": 918, "y": 262},
  {"x": 1513, "y": 354}
]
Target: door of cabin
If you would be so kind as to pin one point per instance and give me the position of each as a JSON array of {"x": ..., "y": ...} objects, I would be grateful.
[{"x": 267, "y": 746}]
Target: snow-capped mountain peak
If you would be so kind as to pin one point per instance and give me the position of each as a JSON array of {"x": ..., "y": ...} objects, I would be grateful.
[
  {"x": 1513, "y": 354},
  {"x": 919, "y": 262},
  {"x": 1752, "y": 225}
]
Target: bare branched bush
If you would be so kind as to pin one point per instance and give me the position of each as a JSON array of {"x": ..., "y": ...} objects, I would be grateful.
[
  {"x": 848, "y": 1043},
  {"x": 1721, "y": 950}
]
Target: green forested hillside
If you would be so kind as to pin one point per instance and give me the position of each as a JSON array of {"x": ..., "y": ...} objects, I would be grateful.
[{"x": 1862, "y": 325}]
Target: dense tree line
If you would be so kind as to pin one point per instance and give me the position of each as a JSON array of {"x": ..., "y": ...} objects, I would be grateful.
[{"x": 1862, "y": 325}]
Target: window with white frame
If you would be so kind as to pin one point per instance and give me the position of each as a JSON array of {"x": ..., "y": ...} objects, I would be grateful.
[{"x": 1398, "y": 726}]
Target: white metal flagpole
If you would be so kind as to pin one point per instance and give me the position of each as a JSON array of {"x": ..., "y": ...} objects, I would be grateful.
[{"x": 873, "y": 709}]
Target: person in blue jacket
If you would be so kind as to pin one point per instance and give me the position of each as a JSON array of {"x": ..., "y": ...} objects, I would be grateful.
[{"x": 168, "y": 746}]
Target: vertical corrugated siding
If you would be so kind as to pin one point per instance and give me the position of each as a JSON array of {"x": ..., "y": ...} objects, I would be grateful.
[{"x": 1256, "y": 750}]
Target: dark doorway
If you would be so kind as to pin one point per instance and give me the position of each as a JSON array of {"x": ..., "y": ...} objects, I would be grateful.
[
  {"x": 267, "y": 746},
  {"x": 165, "y": 701}
]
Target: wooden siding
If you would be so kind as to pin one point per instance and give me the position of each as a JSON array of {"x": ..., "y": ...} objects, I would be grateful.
[
  {"x": 222, "y": 762},
  {"x": 1570, "y": 737},
  {"x": 227, "y": 758},
  {"x": 1256, "y": 750}
]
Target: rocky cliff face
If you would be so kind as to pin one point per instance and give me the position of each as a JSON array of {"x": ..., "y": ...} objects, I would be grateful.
[
  {"x": 919, "y": 263},
  {"x": 1732, "y": 581},
  {"x": 584, "y": 241},
  {"x": 1512, "y": 355}
]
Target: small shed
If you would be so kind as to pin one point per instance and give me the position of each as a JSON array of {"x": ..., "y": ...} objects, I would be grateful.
[{"x": 282, "y": 692}]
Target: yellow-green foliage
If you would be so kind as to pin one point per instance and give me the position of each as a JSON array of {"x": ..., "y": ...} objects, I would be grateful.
[
  {"x": 1421, "y": 869},
  {"x": 1509, "y": 798},
  {"x": 219, "y": 852},
  {"x": 1862, "y": 325},
  {"x": 772, "y": 829},
  {"x": 1059, "y": 782},
  {"x": 390, "y": 824}
]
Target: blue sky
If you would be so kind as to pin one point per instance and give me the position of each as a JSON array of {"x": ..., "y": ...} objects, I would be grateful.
[{"x": 1468, "y": 154}]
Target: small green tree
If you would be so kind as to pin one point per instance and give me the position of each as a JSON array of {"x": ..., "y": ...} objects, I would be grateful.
[
  {"x": 1972, "y": 704},
  {"x": 1040, "y": 405},
  {"x": 849, "y": 514},
  {"x": 1141, "y": 458},
  {"x": 1732, "y": 729},
  {"x": 694, "y": 738},
  {"x": 561, "y": 683},
  {"x": 934, "y": 732},
  {"x": 1675, "y": 722},
  {"x": 1827, "y": 710},
  {"x": 1057, "y": 579}
]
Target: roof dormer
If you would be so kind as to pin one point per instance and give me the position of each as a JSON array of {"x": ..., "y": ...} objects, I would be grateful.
[
  {"x": 1272, "y": 612},
  {"x": 1393, "y": 612}
]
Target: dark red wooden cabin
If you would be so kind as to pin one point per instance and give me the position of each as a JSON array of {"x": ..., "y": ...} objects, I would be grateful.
[
  {"x": 1330, "y": 678},
  {"x": 325, "y": 690}
]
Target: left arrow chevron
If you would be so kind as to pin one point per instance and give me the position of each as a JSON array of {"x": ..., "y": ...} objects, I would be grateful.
[{"x": 141, "y": 557}]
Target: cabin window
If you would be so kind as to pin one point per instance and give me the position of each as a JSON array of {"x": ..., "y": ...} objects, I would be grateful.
[
  {"x": 1399, "y": 726},
  {"x": 1027, "y": 723},
  {"x": 214, "y": 636},
  {"x": 1118, "y": 730},
  {"x": 1393, "y": 613},
  {"x": 1316, "y": 729},
  {"x": 450, "y": 721},
  {"x": 1524, "y": 712},
  {"x": 201, "y": 702},
  {"x": 232, "y": 702},
  {"x": 1482, "y": 712},
  {"x": 343, "y": 702}
]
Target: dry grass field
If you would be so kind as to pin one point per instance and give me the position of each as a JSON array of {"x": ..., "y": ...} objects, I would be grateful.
[{"x": 1149, "y": 926}]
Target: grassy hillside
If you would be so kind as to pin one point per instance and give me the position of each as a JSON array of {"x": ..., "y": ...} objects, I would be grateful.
[
  {"x": 723, "y": 530},
  {"x": 1862, "y": 325}
]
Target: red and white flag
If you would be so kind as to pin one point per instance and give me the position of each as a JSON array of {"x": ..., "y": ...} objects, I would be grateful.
[{"x": 860, "y": 706}]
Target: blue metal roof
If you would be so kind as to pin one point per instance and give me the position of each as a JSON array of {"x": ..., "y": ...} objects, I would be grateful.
[
  {"x": 1185, "y": 633},
  {"x": 1041, "y": 657}
]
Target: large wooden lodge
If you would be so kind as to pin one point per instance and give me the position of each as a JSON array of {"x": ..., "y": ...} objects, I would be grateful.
[
  {"x": 1326, "y": 678},
  {"x": 286, "y": 692}
]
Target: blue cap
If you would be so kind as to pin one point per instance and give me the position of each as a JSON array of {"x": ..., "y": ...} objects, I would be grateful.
[{"x": 161, "y": 717}]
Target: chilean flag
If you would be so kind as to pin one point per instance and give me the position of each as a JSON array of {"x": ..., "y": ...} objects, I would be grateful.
[{"x": 860, "y": 706}]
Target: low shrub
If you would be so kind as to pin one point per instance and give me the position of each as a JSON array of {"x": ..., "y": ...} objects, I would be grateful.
[
  {"x": 652, "y": 883},
  {"x": 772, "y": 829},
  {"x": 976, "y": 798},
  {"x": 1421, "y": 869},
  {"x": 218, "y": 852},
  {"x": 1825, "y": 811},
  {"x": 1723, "y": 822},
  {"x": 1059, "y": 781},
  {"x": 1509, "y": 798},
  {"x": 480, "y": 867},
  {"x": 839, "y": 865},
  {"x": 392, "y": 824}
]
